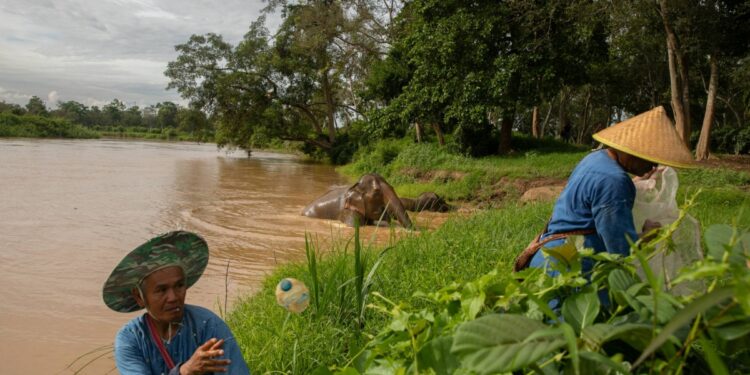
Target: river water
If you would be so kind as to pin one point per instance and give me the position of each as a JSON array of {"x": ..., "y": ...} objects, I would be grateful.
[{"x": 71, "y": 209}]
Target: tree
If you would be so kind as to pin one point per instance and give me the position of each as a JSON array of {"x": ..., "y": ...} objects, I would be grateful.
[
  {"x": 72, "y": 111},
  {"x": 473, "y": 64},
  {"x": 112, "y": 112},
  {"x": 36, "y": 106},
  {"x": 722, "y": 39},
  {"x": 166, "y": 116},
  {"x": 12, "y": 108},
  {"x": 299, "y": 85},
  {"x": 132, "y": 117},
  {"x": 192, "y": 120}
]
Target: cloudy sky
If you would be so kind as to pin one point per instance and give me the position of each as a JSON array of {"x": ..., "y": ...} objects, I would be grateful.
[{"x": 93, "y": 51}]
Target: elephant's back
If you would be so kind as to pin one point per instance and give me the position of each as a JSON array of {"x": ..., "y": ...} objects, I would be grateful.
[{"x": 328, "y": 205}]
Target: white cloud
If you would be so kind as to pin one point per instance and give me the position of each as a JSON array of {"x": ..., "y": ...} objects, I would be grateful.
[
  {"x": 52, "y": 98},
  {"x": 97, "y": 50},
  {"x": 11, "y": 96}
]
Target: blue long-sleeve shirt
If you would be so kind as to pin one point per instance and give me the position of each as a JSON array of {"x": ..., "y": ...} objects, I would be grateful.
[
  {"x": 136, "y": 353},
  {"x": 599, "y": 195}
]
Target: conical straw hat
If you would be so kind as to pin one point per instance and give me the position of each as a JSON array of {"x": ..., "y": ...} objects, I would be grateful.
[{"x": 649, "y": 136}]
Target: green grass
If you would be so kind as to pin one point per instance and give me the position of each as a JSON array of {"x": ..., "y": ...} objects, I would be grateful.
[
  {"x": 416, "y": 168},
  {"x": 275, "y": 340},
  {"x": 460, "y": 250}
]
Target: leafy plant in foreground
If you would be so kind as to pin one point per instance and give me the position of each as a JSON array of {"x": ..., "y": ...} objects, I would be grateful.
[{"x": 611, "y": 322}]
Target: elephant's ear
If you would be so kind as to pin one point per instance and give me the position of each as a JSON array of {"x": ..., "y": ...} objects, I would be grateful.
[{"x": 354, "y": 201}]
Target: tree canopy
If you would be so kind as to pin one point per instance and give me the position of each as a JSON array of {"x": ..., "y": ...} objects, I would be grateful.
[{"x": 340, "y": 73}]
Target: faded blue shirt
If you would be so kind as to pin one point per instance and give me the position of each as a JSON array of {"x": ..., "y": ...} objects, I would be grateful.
[
  {"x": 599, "y": 195},
  {"x": 136, "y": 353}
]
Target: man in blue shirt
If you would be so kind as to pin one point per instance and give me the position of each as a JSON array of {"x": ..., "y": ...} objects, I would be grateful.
[
  {"x": 171, "y": 337},
  {"x": 597, "y": 201}
]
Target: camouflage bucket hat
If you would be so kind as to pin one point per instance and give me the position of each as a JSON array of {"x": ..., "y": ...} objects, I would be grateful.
[{"x": 179, "y": 248}]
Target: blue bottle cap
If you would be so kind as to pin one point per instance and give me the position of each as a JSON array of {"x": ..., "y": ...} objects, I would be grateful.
[{"x": 285, "y": 285}]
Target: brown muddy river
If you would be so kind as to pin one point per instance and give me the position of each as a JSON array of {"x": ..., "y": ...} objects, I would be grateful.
[{"x": 70, "y": 210}]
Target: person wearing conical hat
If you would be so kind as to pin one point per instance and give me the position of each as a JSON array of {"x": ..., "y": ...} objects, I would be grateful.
[
  {"x": 597, "y": 201},
  {"x": 171, "y": 337}
]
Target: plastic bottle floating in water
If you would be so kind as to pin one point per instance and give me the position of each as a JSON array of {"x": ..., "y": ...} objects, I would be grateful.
[{"x": 293, "y": 295}]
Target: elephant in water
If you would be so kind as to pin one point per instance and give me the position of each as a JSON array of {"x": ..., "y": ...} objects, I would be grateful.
[
  {"x": 371, "y": 200},
  {"x": 427, "y": 201}
]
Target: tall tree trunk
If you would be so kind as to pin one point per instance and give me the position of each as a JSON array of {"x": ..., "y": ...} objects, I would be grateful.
[
  {"x": 418, "y": 130},
  {"x": 506, "y": 132},
  {"x": 535, "y": 122},
  {"x": 702, "y": 150},
  {"x": 330, "y": 108},
  {"x": 585, "y": 126},
  {"x": 678, "y": 76},
  {"x": 441, "y": 139},
  {"x": 675, "y": 89},
  {"x": 563, "y": 131},
  {"x": 546, "y": 120}
]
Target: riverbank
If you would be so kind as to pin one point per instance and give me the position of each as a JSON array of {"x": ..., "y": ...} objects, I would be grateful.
[{"x": 335, "y": 330}]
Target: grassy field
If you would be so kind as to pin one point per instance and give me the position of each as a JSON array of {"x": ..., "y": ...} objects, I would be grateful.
[{"x": 334, "y": 329}]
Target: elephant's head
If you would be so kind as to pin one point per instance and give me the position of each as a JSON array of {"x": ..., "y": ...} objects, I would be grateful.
[{"x": 371, "y": 196}]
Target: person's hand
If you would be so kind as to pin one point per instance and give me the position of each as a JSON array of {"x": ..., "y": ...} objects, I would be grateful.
[
  {"x": 649, "y": 230},
  {"x": 203, "y": 360},
  {"x": 653, "y": 173}
]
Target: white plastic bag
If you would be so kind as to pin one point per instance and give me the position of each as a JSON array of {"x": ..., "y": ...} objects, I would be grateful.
[{"x": 656, "y": 200}]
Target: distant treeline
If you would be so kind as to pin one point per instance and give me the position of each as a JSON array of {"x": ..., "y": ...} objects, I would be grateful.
[
  {"x": 33, "y": 126},
  {"x": 74, "y": 120}
]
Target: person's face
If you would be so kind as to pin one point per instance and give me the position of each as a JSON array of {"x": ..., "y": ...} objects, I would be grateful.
[
  {"x": 164, "y": 294},
  {"x": 633, "y": 164}
]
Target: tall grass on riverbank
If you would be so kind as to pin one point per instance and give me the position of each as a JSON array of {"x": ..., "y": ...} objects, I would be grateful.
[
  {"x": 30, "y": 126},
  {"x": 274, "y": 340},
  {"x": 462, "y": 249},
  {"x": 416, "y": 168}
]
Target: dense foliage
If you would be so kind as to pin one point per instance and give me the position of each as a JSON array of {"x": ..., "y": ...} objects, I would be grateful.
[
  {"x": 338, "y": 74},
  {"x": 501, "y": 322},
  {"x": 12, "y": 125}
]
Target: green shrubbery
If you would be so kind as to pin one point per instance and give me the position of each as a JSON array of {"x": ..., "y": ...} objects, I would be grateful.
[
  {"x": 30, "y": 126},
  {"x": 500, "y": 322}
]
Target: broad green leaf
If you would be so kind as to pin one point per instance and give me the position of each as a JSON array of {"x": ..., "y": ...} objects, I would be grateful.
[
  {"x": 684, "y": 317},
  {"x": 437, "y": 355},
  {"x": 620, "y": 280},
  {"x": 662, "y": 309},
  {"x": 498, "y": 343},
  {"x": 716, "y": 237},
  {"x": 570, "y": 340},
  {"x": 323, "y": 370},
  {"x": 604, "y": 361},
  {"x": 733, "y": 330},
  {"x": 702, "y": 271},
  {"x": 473, "y": 305},
  {"x": 580, "y": 310},
  {"x": 596, "y": 335}
]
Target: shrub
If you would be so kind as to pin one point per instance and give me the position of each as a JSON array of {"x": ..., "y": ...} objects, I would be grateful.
[{"x": 503, "y": 322}]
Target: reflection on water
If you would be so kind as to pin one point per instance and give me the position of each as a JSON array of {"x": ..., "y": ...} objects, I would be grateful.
[{"x": 70, "y": 210}]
